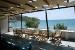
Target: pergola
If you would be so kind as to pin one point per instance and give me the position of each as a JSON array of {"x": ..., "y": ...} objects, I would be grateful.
[{"x": 13, "y": 7}]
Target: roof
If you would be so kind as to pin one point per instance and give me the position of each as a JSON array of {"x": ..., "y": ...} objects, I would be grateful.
[{"x": 11, "y": 7}]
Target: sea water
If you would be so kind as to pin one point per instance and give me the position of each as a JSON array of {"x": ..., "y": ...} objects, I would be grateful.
[{"x": 70, "y": 23}]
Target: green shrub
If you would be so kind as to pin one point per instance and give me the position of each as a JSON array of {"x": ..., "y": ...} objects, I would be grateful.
[
  {"x": 32, "y": 22},
  {"x": 60, "y": 26}
]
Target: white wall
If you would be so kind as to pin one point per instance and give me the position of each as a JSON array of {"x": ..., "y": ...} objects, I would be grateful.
[
  {"x": 71, "y": 35},
  {"x": 4, "y": 25},
  {"x": 67, "y": 34}
]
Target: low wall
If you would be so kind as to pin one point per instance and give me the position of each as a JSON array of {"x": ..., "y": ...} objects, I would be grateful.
[{"x": 68, "y": 34}]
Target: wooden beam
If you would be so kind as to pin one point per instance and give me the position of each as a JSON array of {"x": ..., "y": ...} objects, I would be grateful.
[
  {"x": 46, "y": 2},
  {"x": 10, "y": 2},
  {"x": 21, "y": 8},
  {"x": 54, "y": 8},
  {"x": 3, "y": 7},
  {"x": 48, "y": 9},
  {"x": 3, "y": 10},
  {"x": 29, "y": 5},
  {"x": 8, "y": 7}
]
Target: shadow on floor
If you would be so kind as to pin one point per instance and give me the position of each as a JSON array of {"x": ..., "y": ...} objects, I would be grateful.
[
  {"x": 71, "y": 40},
  {"x": 36, "y": 45}
]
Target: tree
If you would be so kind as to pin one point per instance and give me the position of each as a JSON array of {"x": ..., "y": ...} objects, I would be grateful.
[
  {"x": 32, "y": 22},
  {"x": 60, "y": 26}
]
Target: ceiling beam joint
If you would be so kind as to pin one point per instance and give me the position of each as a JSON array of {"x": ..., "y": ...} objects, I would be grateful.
[{"x": 46, "y": 2}]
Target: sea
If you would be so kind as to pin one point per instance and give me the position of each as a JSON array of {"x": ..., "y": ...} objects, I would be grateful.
[{"x": 70, "y": 23}]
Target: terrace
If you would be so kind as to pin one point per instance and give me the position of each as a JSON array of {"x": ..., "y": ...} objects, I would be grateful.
[{"x": 10, "y": 7}]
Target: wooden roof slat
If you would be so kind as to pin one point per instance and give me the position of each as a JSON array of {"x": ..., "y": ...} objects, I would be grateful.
[
  {"x": 52, "y": 2},
  {"x": 16, "y": 9},
  {"x": 29, "y": 5},
  {"x": 67, "y": 4},
  {"x": 10, "y": 2},
  {"x": 6, "y": 4},
  {"x": 41, "y": 2},
  {"x": 9, "y": 5},
  {"x": 3, "y": 7},
  {"x": 20, "y": 1},
  {"x": 50, "y": 6},
  {"x": 36, "y": 5},
  {"x": 26, "y": 7},
  {"x": 46, "y": 2}
]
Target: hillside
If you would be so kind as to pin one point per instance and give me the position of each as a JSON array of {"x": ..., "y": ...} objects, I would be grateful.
[{"x": 17, "y": 18}]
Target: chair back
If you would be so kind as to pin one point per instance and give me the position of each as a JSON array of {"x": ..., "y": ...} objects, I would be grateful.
[
  {"x": 27, "y": 31},
  {"x": 19, "y": 31},
  {"x": 58, "y": 34},
  {"x": 37, "y": 32}
]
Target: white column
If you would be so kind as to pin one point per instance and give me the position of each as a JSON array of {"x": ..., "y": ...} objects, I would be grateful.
[{"x": 4, "y": 25}]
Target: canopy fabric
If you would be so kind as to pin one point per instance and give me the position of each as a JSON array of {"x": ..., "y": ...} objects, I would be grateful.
[{"x": 11, "y": 7}]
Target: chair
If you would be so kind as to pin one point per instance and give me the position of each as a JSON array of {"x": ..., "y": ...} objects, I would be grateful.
[
  {"x": 57, "y": 36},
  {"x": 37, "y": 34},
  {"x": 14, "y": 32},
  {"x": 27, "y": 32},
  {"x": 17, "y": 32},
  {"x": 44, "y": 35}
]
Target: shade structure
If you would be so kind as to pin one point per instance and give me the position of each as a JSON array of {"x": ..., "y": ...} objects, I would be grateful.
[{"x": 12, "y": 7}]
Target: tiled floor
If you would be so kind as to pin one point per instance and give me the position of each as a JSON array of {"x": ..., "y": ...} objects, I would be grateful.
[{"x": 66, "y": 45}]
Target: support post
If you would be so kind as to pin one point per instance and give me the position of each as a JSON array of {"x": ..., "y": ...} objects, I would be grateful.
[
  {"x": 74, "y": 9},
  {"x": 8, "y": 23},
  {"x": 47, "y": 23},
  {"x": 0, "y": 32},
  {"x": 21, "y": 20}
]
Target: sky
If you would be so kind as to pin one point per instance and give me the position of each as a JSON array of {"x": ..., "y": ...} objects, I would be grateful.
[{"x": 66, "y": 13}]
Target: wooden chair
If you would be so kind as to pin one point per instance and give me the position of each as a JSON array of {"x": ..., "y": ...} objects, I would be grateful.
[
  {"x": 57, "y": 36},
  {"x": 17, "y": 32},
  {"x": 27, "y": 32},
  {"x": 14, "y": 32},
  {"x": 37, "y": 34},
  {"x": 44, "y": 36}
]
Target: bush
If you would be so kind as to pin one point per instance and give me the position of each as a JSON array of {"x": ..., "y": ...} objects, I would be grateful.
[
  {"x": 60, "y": 26},
  {"x": 31, "y": 22}
]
